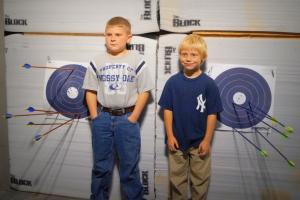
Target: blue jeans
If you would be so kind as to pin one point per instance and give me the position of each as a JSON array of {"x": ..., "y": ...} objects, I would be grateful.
[{"x": 115, "y": 135}]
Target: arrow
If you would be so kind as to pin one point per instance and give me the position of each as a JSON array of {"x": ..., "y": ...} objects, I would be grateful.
[
  {"x": 38, "y": 124},
  {"x": 250, "y": 111},
  {"x": 9, "y": 115},
  {"x": 288, "y": 129},
  {"x": 263, "y": 153},
  {"x": 28, "y": 66},
  {"x": 74, "y": 115},
  {"x": 274, "y": 120},
  {"x": 32, "y": 109},
  {"x": 38, "y": 136},
  {"x": 291, "y": 163}
]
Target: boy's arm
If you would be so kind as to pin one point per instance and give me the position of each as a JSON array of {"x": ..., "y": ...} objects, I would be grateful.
[
  {"x": 205, "y": 144},
  {"x": 168, "y": 120},
  {"x": 91, "y": 100},
  {"x": 139, "y": 106}
]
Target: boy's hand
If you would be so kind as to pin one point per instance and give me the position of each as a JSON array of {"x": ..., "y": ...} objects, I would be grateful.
[
  {"x": 93, "y": 116},
  {"x": 172, "y": 144},
  {"x": 132, "y": 119},
  {"x": 204, "y": 148}
]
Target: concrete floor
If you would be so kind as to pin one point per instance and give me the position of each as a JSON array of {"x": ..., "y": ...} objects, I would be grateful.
[{"x": 17, "y": 195}]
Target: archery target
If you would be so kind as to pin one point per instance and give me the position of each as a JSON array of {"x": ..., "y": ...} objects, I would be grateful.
[
  {"x": 64, "y": 91},
  {"x": 245, "y": 95}
]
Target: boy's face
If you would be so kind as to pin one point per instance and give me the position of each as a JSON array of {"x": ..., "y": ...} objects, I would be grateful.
[
  {"x": 190, "y": 59},
  {"x": 116, "y": 38}
]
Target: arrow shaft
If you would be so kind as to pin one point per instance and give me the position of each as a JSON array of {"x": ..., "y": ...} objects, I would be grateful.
[
  {"x": 46, "y": 67},
  {"x": 38, "y": 124},
  {"x": 268, "y": 115},
  {"x": 247, "y": 109},
  {"x": 44, "y": 134},
  {"x": 23, "y": 115},
  {"x": 235, "y": 130},
  {"x": 274, "y": 147},
  {"x": 53, "y": 112}
]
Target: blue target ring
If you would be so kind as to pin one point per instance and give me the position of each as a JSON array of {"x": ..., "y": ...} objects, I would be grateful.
[
  {"x": 64, "y": 91},
  {"x": 245, "y": 95}
]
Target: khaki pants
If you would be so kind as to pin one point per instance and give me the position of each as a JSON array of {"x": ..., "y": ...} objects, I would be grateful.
[{"x": 188, "y": 165}]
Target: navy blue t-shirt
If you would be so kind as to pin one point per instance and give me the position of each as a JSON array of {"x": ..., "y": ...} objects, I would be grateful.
[{"x": 190, "y": 100}]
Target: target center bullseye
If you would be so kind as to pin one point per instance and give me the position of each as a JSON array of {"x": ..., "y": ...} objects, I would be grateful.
[
  {"x": 239, "y": 98},
  {"x": 72, "y": 92}
]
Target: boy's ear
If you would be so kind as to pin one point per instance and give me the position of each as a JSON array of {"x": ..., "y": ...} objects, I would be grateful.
[{"x": 129, "y": 39}]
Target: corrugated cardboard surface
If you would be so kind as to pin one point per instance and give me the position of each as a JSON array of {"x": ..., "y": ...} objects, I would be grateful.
[
  {"x": 61, "y": 162},
  {"x": 78, "y": 16}
]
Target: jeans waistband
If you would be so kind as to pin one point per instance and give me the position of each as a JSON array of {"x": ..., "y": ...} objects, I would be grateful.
[{"x": 118, "y": 111}]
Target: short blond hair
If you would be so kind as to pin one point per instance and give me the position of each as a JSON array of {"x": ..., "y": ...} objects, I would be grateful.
[
  {"x": 194, "y": 41},
  {"x": 119, "y": 21}
]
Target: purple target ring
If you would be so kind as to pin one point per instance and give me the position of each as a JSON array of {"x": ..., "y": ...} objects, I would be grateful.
[
  {"x": 64, "y": 91},
  {"x": 245, "y": 95}
]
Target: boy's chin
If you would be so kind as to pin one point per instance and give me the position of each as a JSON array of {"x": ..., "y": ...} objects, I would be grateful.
[
  {"x": 191, "y": 68},
  {"x": 116, "y": 52}
]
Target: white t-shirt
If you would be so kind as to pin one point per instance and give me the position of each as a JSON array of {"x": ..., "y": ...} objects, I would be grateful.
[{"x": 118, "y": 80}]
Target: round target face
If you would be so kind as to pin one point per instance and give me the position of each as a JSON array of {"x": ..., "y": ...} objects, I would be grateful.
[
  {"x": 245, "y": 95},
  {"x": 64, "y": 91}
]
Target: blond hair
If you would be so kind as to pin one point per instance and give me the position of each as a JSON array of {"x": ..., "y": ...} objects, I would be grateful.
[
  {"x": 194, "y": 41},
  {"x": 119, "y": 21}
]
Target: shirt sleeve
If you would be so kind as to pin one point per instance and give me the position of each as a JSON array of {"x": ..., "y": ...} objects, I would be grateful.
[
  {"x": 90, "y": 81},
  {"x": 166, "y": 98},
  {"x": 214, "y": 103},
  {"x": 144, "y": 79}
]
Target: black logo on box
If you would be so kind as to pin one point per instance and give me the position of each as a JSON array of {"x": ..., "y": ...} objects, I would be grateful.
[
  {"x": 147, "y": 10},
  {"x": 168, "y": 58},
  {"x": 138, "y": 47},
  {"x": 145, "y": 182},
  {"x": 18, "y": 22},
  {"x": 19, "y": 181},
  {"x": 179, "y": 22}
]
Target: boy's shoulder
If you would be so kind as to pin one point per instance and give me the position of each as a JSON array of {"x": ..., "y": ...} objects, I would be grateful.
[
  {"x": 99, "y": 57},
  {"x": 208, "y": 78},
  {"x": 175, "y": 76},
  {"x": 136, "y": 55}
]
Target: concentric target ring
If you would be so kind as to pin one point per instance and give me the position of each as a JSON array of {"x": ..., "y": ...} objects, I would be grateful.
[
  {"x": 245, "y": 95},
  {"x": 64, "y": 91}
]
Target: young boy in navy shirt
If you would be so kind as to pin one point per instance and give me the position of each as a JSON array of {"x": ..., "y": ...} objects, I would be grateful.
[{"x": 191, "y": 101}]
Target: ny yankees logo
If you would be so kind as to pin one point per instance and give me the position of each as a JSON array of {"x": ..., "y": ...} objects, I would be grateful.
[{"x": 201, "y": 103}]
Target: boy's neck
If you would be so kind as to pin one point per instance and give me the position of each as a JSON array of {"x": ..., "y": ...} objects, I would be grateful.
[
  {"x": 192, "y": 73},
  {"x": 119, "y": 54}
]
